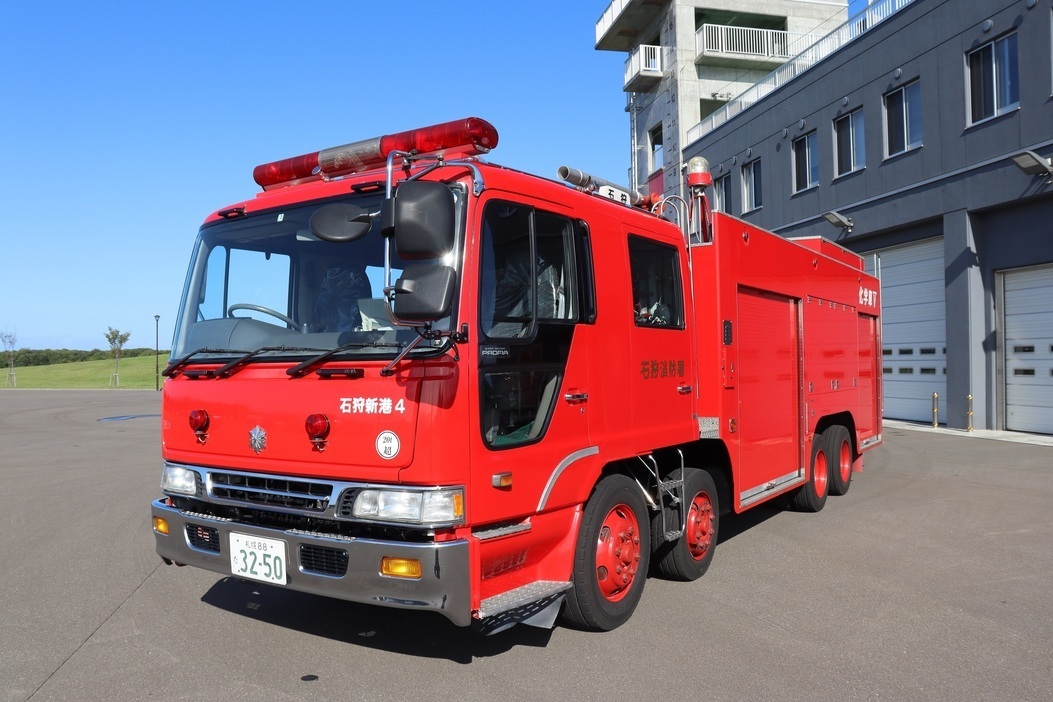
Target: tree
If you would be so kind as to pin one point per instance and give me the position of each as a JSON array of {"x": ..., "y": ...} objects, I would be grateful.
[
  {"x": 8, "y": 339},
  {"x": 117, "y": 340}
]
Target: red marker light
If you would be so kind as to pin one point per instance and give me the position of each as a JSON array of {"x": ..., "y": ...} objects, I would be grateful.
[
  {"x": 199, "y": 424},
  {"x": 462, "y": 137},
  {"x": 317, "y": 427}
]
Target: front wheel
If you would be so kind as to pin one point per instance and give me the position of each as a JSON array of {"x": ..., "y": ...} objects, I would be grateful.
[
  {"x": 688, "y": 557},
  {"x": 611, "y": 558}
]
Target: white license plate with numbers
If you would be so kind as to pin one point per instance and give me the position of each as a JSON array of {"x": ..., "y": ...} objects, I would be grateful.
[{"x": 257, "y": 558}]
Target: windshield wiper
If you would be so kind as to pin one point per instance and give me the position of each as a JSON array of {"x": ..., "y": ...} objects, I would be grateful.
[
  {"x": 175, "y": 366},
  {"x": 227, "y": 370},
  {"x": 302, "y": 369}
]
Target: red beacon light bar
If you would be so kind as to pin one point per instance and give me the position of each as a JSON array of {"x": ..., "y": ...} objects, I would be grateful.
[{"x": 463, "y": 137}]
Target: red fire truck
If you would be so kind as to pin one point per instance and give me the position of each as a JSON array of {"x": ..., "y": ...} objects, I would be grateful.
[{"x": 407, "y": 377}]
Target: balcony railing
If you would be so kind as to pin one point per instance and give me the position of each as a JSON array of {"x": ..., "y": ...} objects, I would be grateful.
[
  {"x": 750, "y": 43},
  {"x": 606, "y": 20},
  {"x": 801, "y": 62},
  {"x": 643, "y": 67}
]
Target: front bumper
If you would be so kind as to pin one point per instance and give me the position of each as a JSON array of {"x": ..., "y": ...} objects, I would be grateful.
[{"x": 443, "y": 586}]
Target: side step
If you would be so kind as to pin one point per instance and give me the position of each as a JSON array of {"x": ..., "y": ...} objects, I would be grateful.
[
  {"x": 671, "y": 489},
  {"x": 524, "y": 595},
  {"x": 674, "y": 489}
]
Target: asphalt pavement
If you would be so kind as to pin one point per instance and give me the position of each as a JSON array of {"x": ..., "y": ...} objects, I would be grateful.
[{"x": 932, "y": 579}]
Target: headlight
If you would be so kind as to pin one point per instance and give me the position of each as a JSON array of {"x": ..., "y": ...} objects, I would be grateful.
[
  {"x": 179, "y": 479},
  {"x": 410, "y": 506}
]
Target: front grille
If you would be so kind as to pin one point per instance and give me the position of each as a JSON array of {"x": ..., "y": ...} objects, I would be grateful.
[
  {"x": 326, "y": 561},
  {"x": 203, "y": 538},
  {"x": 344, "y": 508},
  {"x": 271, "y": 491}
]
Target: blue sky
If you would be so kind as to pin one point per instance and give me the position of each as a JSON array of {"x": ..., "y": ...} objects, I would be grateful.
[{"x": 125, "y": 123}]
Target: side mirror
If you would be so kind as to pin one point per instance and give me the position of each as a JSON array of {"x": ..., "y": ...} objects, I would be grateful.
[
  {"x": 421, "y": 217},
  {"x": 424, "y": 293},
  {"x": 340, "y": 223}
]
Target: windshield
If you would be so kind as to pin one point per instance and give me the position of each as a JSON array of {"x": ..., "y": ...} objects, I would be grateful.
[{"x": 264, "y": 282}]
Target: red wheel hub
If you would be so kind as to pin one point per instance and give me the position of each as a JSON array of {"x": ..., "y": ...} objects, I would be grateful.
[
  {"x": 820, "y": 474},
  {"x": 844, "y": 462},
  {"x": 617, "y": 552},
  {"x": 699, "y": 528}
]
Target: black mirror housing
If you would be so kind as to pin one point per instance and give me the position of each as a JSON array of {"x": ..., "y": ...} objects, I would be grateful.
[
  {"x": 423, "y": 220},
  {"x": 340, "y": 223},
  {"x": 424, "y": 293}
]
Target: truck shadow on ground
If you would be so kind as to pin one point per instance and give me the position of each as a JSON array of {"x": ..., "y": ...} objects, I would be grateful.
[{"x": 421, "y": 634}]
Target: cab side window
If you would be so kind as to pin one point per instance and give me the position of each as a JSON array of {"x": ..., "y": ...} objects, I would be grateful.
[
  {"x": 657, "y": 292},
  {"x": 528, "y": 306},
  {"x": 525, "y": 276}
]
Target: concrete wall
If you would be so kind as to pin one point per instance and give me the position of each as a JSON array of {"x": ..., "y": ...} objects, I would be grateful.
[
  {"x": 959, "y": 184},
  {"x": 675, "y": 101}
]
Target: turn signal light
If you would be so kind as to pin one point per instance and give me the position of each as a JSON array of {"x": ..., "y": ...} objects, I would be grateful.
[
  {"x": 400, "y": 567},
  {"x": 161, "y": 525}
]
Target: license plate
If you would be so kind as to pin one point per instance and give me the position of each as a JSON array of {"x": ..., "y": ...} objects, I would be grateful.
[{"x": 257, "y": 558}]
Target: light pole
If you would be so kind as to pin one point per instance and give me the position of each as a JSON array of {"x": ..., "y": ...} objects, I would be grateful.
[{"x": 157, "y": 352}]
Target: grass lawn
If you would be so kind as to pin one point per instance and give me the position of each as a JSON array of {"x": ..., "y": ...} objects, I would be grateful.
[{"x": 135, "y": 373}]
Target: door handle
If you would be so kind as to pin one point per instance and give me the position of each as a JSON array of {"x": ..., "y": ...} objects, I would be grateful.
[
  {"x": 684, "y": 389},
  {"x": 575, "y": 398}
]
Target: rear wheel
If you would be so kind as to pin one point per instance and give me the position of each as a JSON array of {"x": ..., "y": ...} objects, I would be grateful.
[
  {"x": 811, "y": 497},
  {"x": 611, "y": 559},
  {"x": 688, "y": 557},
  {"x": 839, "y": 448}
]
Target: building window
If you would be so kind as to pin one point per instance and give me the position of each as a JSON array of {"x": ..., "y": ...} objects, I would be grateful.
[
  {"x": 849, "y": 144},
  {"x": 903, "y": 118},
  {"x": 805, "y": 163},
  {"x": 751, "y": 186},
  {"x": 722, "y": 193},
  {"x": 657, "y": 154},
  {"x": 994, "y": 87}
]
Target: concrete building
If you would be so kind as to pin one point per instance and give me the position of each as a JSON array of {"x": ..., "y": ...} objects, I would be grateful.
[
  {"x": 919, "y": 134},
  {"x": 687, "y": 58}
]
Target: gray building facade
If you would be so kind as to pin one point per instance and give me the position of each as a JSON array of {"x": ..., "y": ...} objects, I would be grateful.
[{"x": 923, "y": 142}]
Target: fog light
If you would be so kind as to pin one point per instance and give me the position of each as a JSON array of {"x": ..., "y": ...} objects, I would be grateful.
[
  {"x": 161, "y": 525},
  {"x": 400, "y": 567}
]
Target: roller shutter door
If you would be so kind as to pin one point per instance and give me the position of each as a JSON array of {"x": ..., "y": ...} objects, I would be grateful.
[
  {"x": 1028, "y": 333},
  {"x": 913, "y": 329}
]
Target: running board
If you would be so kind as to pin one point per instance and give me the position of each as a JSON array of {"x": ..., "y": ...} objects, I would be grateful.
[{"x": 521, "y": 596}]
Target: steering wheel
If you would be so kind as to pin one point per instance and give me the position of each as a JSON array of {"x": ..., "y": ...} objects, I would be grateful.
[{"x": 264, "y": 310}]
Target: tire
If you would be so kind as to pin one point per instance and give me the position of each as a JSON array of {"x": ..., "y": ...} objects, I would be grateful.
[
  {"x": 611, "y": 559},
  {"x": 811, "y": 497},
  {"x": 688, "y": 557},
  {"x": 839, "y": 449}
]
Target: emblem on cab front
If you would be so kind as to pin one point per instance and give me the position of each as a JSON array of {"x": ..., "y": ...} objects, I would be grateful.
[{"x": 257, "y": 438}]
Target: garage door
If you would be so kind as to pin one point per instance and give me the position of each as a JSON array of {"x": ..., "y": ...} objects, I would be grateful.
[
  {"x": 913, "y": 329},
  {"x": 1028, "y": 332}
]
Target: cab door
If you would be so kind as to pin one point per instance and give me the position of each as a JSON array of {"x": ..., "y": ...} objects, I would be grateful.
[
  {"x": 532, "y": 371},
  {"x": 661, "y": 371}
]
